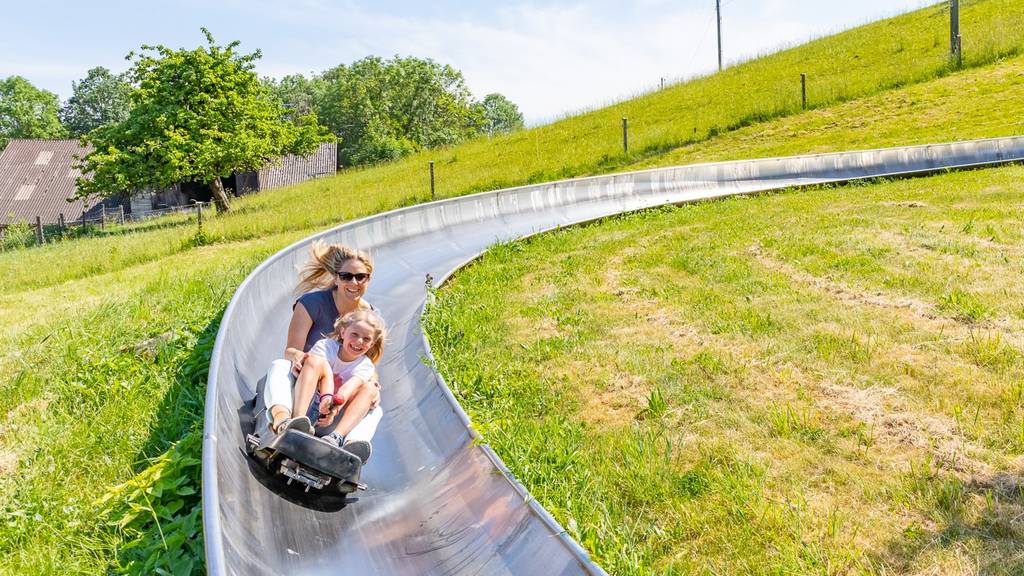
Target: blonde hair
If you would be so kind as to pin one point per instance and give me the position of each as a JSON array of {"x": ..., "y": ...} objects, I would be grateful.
[
  {"x": 325, "y": 263},
  {"x": 376, "y": 349}
]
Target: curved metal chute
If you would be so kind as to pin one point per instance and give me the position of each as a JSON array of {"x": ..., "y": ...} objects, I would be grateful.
[{"x": 440, "y": 502}]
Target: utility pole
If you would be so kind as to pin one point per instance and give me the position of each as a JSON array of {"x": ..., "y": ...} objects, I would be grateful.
[
  {"x": 718, "y": 13},
  {"x": 954, "y": 32}
]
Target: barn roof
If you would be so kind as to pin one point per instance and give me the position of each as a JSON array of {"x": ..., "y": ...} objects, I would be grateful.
[{"x": 36, "y": 179}]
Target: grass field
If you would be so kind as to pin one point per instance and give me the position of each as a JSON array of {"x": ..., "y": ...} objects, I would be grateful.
[
  {"x": 816, "y": 382},
  {"x": 105, "y": 340}
]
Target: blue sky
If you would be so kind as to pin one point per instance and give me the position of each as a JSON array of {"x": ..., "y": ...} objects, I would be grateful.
[{"x": 551, "y": 58}]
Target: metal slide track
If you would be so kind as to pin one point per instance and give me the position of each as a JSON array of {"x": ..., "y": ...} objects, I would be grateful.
[{"x": 439, "y": 502}]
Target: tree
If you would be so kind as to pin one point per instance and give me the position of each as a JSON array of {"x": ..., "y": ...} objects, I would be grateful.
[
  {"x": 299, "y": 95},
  {"x": 27, "y": 111},
  {"x": 99, "y": 99},
  {"x": 500, "y": 115},
  {"x": 385, "y": 109},
  {"x": 196, "y": 115}
]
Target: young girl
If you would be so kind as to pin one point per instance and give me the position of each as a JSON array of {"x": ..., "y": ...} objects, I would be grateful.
[{"x": 337, "y": 368}]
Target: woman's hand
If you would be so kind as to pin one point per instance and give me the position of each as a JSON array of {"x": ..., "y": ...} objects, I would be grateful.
[{"x": 298, "y": 361}]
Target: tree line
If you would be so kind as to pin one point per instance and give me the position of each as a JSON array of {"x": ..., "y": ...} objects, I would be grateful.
[
  {"x": 201, "y": 114},
  {"x": 385, "y": 109}
]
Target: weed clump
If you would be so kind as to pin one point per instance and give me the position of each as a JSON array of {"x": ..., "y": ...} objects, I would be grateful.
[{"x": 158, "y": 513}]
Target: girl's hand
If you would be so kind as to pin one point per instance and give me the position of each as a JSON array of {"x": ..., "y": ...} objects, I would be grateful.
[
  {"x": 327, "y": 419},
  {"x": 326, "y": 403},
  {"x": 297, "y": 362},
  {"x": 327, "y": 410}
]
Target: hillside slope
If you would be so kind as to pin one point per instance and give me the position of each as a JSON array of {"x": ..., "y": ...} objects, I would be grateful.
[
  {"x": 105, "y": 339},
  {"x": 825, "y": 381}
]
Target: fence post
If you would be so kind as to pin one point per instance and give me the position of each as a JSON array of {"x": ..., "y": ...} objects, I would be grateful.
[
  {"x": 3, "y": 243},
  {"x": 120, "y": 217},
  {"x": 803, "y": 89},
  {"x": 625, "y": 135},
  {"x": 62, "y": 225},
  {"x": 103, "y": 217},
  {"x": 431, "y": 179},
  {"x": 199, "y": 216},
  {"x": 39, "y": 231}
]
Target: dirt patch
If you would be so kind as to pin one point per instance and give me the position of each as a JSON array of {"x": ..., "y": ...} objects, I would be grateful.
[
  {"x": 616, "y": 404},
  {"x": 1007, "y": 483},
  {"x": 906, "y": 204},
  {"x": 35, "y": 406},
  {"x": 8, "y": 462},
  {"x": 878, "y": 408}
]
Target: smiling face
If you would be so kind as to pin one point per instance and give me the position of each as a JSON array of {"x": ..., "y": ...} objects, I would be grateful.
[
  {"x": 356, "y": 339},
  {"x": 350, "y": 291}
]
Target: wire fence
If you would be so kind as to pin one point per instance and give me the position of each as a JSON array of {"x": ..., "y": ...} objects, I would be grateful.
[{"x": 36, "y": 232}]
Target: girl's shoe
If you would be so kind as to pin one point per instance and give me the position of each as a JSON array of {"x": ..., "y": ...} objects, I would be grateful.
[
  {"x": 300, "y": 423},
  {"x": 359, "y": 448}
]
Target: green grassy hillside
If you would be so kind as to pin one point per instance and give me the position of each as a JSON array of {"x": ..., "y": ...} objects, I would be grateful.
[
  {"x": 84, "y": 409},
  {"x": 826, "y": 381}
]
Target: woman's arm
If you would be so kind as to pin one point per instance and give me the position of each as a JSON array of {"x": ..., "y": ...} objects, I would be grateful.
[{"x": 298, "y": 330}]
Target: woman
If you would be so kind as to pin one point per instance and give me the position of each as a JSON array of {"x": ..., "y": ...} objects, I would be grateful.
[{"x": 332, "y": 284}]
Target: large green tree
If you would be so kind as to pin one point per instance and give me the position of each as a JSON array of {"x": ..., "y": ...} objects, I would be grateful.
[
  {"x": 27, "y": 111},
  {"x": 500, "y": 115},
  {"x": 196, "y": 115},
  {"x": 384, "y": 109},
  {"x": 99, "y": 99}
]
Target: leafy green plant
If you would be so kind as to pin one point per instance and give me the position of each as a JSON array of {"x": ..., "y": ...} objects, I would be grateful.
[
  {"x": 17, "y": 234},
  {"x": 157, "y": 513},
  {"x": 657, "y": 405}
]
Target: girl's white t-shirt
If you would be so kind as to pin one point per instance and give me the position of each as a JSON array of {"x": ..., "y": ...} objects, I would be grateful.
[{"x": 327, "y": 348}]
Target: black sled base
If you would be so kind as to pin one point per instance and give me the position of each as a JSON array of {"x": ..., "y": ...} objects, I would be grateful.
[{"x": 315, "y": 462}]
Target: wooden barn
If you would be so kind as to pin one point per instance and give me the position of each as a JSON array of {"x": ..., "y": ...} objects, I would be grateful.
[{"x": 37, "y": 177}]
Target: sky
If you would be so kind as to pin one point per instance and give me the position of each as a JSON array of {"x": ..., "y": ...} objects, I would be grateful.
[{"x": 551, "y": 58}]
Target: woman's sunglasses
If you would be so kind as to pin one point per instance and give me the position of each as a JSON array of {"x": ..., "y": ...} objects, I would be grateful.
[{"x": 359, "y": 277}]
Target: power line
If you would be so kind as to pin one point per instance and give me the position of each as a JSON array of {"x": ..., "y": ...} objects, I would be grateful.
[{"x": 700, "y": 42}]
